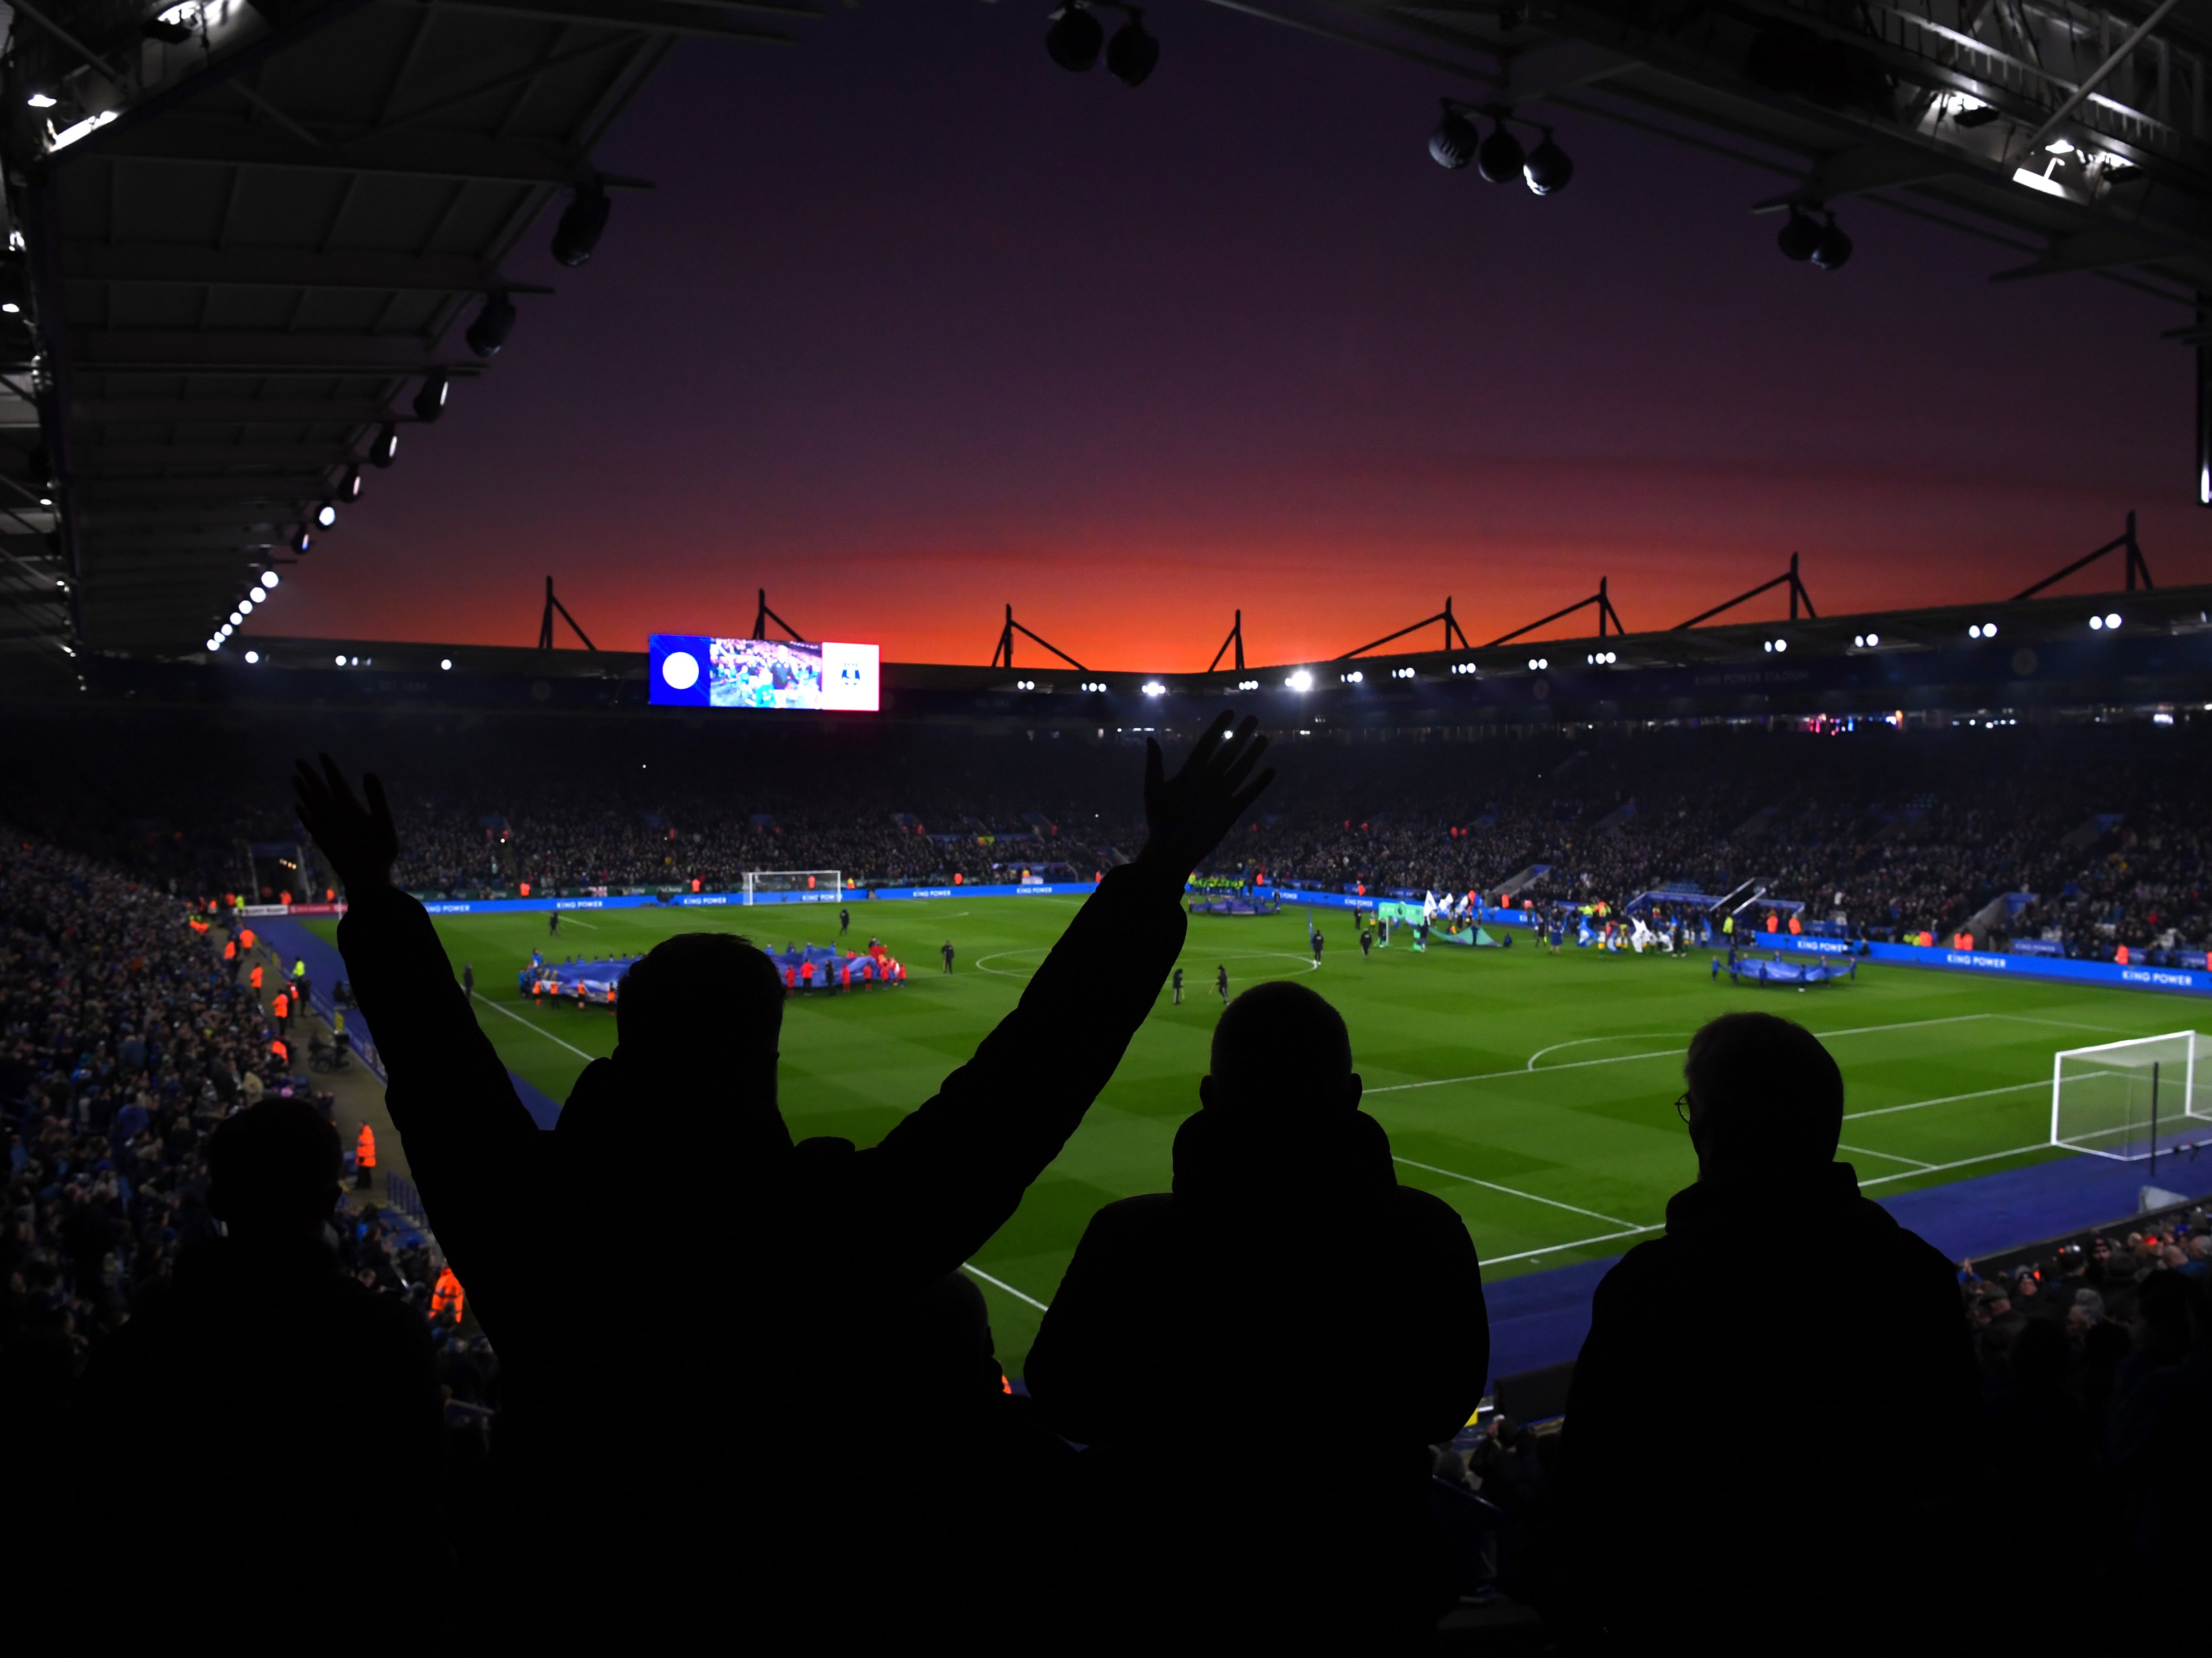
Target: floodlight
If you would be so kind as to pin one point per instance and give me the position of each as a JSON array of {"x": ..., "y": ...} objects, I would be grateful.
[
  {"x": 237, "y": 616},
  {"x": 245, "y": 607},
  {"x": 351, "y": 489},
  {"x": 445, "y": 664},
  {"x": 1074, "y": 38},
  {"x": 1355, "y": 677},
  {"x": 1501, "y": 156},
  {"x": 269, "y": 578},
  {"x": 1547, "y": 168},
  {"x": 254, "y": 656},
  {"x": 41, "y": 101},
  {"x": 1300, "y": 680},
  {"x": 2112, "y": 618},
  {"x": 12, "y": 309},
  {"x": 1153, "y": 688},
  {"x": 259, "y": 595},
  {"x": 1874, "y": 638},
  {"x": 430, "y": 401},
  {"x": 226, "y": 630},
  {"x": 1454, "y": 143},
  {"x": 341, "y": 662},
  {"x": 2096, "y": 623},
  {"x": 584, "y": 222},
  {"x": 493, "y": 324},
  {"x": 1132, "y": 54},
  {"x": 384, "y": 450},
  {"x": 302, "y": 543},
  {"x": 1833, "y": 251},
  {"x": 1799, "y": 236},
  {"x": 213, "y": 644}
]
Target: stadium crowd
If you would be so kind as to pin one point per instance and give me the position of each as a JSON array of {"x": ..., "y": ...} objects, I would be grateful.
[{"x": 184, "y": 1286}]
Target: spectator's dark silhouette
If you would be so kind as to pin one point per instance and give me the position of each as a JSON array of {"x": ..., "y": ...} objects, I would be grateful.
[
  {"x": 1290, "y": 1309},
  {"x": 1831, "y": 1519},
  {"x": 792, "y": 1291},
  {"x": 246, "y": 1394}
]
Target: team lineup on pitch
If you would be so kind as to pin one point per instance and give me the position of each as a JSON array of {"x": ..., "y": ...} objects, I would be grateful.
[{"x": 1533, "y": 1093}]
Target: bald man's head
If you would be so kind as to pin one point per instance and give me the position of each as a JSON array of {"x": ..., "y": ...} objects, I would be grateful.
[{"x": 1280, "y": 1050}]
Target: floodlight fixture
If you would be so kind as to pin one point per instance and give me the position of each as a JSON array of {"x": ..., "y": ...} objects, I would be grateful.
[
  {"x": 259, "y": 595},
  {"x": 1454, "y": 143},
  {"x": 42, "y": 100},
  {"x": 430, "y": 401},
  {"x": 1501, "y": 156},
  {"x": 1833, "y": 249},
  {"x": 236, "y": 617},
  {"x": 254, "y": 656},
  {"x": 326, "y": 515},
  {"x": 213, "y": 643},
  {"x": 341, "y": 662},
  {"x": 446, "y": 665},
  {"x": 1247, "y": 685},
  {"x": 11, "y": 308},
  {"x": 494, "y": 323},
  {"x": 1075, "y": 37},
  {"x": 245, "y": 607},
  {"x": 351, "y": 489},
  {"x": 1355, "y": 677},
  {"x": 302, "y": 543},
  {"x": 1548, "y": 169},
  {"x": 1799, "y": 236},
  {"x": 583, "y": 223},
  {"x": 2112, "y": 619},
  {"x": 1133, "y": 54},
  {"x": 1537, "y": 664},
  {"x": 1153, "y": 688},
  {"x": 384, "y": 450},
  {"x": 269, "y": 578},
  {"x": 1300, "y": 680}
]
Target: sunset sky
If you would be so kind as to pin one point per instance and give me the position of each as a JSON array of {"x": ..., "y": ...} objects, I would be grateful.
[{"x": 917, "y": 325}]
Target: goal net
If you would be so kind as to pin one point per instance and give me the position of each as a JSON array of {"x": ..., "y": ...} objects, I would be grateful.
[
  {"x": 795, "y": 886},
  {"x": 2127, "y": 1100}
]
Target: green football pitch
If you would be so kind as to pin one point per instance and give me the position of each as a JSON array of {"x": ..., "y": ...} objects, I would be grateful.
[{"x": 1535, "y": 1094}]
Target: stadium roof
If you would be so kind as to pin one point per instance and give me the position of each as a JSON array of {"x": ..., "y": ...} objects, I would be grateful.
[
  {"x": 242, "y": 232},
  {"x": 2040, "y": 653}
]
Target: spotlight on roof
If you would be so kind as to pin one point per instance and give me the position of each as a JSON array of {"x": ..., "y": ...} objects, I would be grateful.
[
  {"x": 1537, "y": 664},
  {"x": 254, "y": 656},
  {"x": 1300, "y": 680},
  {"x": 384, "y": 450},
  {"x": 259, "y": 595},
  {"x": 1833, "y": 249},
  {"x": 583, "y": 223},
  {"x": 1547, "y": 168},
  {"x": 351, "y": 489},
  {"x": 493, "y": 324},
  {"x": 445, "y": 664},
  {"x": 269, "y": 578},
  {"x": 1132, "y": 54},
  {"x": 1075, "y": 37},
  {"x": 326, "y": 515},
  {"x": 42, "y": 100},
  {"x": 1983, "y": 630},
  {"x": 1454, "y": 143},
  {"x": 1153, "y": 688},
  {"x": 1501, "y": 156},
  {"x": 2110, "y": 619},
  {"x": 430, "y": 401},
  {"x": 302, "y": 543},
  {"x": 1799, "y": 236}
]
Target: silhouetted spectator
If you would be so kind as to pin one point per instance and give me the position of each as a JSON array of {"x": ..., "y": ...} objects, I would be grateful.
[
  {"x": 247, "y": 1389},
  {"x": 1290, "y": 1293},
  {"x": 1826, "y": 1525},
  {"x": 782, "y": 1280}
]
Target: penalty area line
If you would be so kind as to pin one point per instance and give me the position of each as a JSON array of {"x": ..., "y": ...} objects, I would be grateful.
[
  {"x": 1000, "y": 1284},
  {"x": 531, "y": 1024},
  {"x": 1513, "y": 1192},
  {"x": 1579, "y": 1244}
]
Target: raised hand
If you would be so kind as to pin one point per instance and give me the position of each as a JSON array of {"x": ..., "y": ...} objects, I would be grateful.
[
  {"x": 1188, "y": 813},
  {"x": 359, "y": 840}
]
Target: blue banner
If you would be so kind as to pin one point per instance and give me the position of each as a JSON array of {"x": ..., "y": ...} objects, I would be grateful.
[{"x": 2193, "y": 980}]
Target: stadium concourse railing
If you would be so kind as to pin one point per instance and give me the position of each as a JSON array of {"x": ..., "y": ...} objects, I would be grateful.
[{"x": 2125, "y": 975}]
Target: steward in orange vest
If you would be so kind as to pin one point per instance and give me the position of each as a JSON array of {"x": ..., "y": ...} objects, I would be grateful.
[
  {"x": 364, "y": 1147},
  {"x": 446, "y": 1295}
]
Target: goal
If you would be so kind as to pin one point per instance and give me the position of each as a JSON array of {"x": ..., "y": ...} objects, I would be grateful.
[
  {"x": 795, "y": 886},
  {"x": 2129, "y": 1100}
]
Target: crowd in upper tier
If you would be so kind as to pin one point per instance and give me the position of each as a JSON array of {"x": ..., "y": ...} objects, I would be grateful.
[{"x": 1896, "y": 833}]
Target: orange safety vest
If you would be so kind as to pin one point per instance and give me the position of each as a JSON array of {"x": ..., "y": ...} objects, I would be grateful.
[
  {"x": 245, "y": 938},
  {"x": 365, "y": 1147},
  {"x": 445, "y": 1295},
  {"x": 1772, "y": 924},
  {"x": 254, "y": 977},
  {"x": 282, "y": 1007},
  {"x": 230, "y": 949}
]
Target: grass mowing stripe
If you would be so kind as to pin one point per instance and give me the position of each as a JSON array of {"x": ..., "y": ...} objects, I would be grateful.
[
  {"x": 532, "y": 1024},
  {"x": 1000, "y": 1284},
  {"x": 1512, "y": 1191}
]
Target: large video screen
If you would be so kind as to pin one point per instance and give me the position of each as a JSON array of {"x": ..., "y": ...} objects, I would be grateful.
[{"x": 693, "y": 670}]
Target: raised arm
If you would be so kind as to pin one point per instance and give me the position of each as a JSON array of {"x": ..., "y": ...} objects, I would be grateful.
[
  {"x": 948, "y": 1176},
  {"x": 473, "y": 1150}
]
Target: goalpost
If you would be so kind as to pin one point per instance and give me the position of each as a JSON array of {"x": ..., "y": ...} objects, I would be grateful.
[
  {"x": 795, "y": 886},
  {"x": 2129, "y": 1100}
]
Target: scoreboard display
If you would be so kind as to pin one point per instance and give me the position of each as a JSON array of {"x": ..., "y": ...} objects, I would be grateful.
[{"x": 697, "y": 671}]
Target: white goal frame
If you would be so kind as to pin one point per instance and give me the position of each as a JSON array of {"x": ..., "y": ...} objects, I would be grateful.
[
  {"x": 2172, "y": 1100},
  {"x": 829, "y": 885}
]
